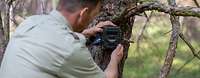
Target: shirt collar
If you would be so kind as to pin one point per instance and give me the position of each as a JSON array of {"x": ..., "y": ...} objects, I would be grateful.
[{"x": 60, "y": 18}]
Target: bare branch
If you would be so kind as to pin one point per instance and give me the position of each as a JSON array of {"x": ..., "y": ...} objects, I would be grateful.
[
  {"x": 142, "y": 30},
  {"x": 195, "y": 54},
  {"x": 187, "y": 62},
  {"x": 172, "y": 10},
  {"x": 167, "y": 32},
  {"x": 171, "y": 52},
  {"x": 196, "y": 2},
  {"x": 190, "y": 46},
  {"x": 181, "y": 67}
]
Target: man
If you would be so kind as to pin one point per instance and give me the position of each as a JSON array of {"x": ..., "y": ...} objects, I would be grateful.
[{"x": 53, "y": 46}]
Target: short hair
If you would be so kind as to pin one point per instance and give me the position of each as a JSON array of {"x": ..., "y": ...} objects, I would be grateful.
[{"x": 73, "y": 5}]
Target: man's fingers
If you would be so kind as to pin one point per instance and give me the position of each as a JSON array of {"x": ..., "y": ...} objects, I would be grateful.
[
  {"x": 110, "y": 23},
  {"x": 98, "y": 29},
  {"x": 102, "y": 24},
  {"x": 118, "y": 53},
  {"x": 118, "y": 48}
]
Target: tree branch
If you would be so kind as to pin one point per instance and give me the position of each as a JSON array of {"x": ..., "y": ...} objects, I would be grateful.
[
  {"x": 171, "y": 52},
  {"x": 181, "y": 67},
  {"x": 187, "y": 62},
  {"x": 195, "y": 54},
  {"x": 140, "y": 35},
  {"x": 196, "y": 3},
  {"x": 172, "y": 10},
  {"x": 190, "y": 46}
]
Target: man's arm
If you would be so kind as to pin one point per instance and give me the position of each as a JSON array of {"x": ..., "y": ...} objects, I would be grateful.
[
  {"x": 98, "y": 28},
  {"x": 112, "y": 68}
]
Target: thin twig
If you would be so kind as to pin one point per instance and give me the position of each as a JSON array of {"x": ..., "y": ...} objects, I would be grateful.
[
  {"x": 190, "y": 46},
  {"x": 167, "y": 32},
  {"x": 195, "y": 54},
  {"x": 143, "y": 28},
  {"x": 187, "y": 62}
]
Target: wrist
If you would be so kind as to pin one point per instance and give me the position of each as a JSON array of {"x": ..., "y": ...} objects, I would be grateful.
[
  {"x": 112, "y": 69},
  {"x": 114, "y": 61}
]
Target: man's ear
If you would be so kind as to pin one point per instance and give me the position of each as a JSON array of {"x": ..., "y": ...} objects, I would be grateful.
[
  {"x": 82, "y": 14},
  {"x": 83, "y": 11}
]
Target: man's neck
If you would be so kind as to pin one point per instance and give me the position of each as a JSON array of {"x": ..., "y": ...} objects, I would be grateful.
[{"x": 70, "y": 17}]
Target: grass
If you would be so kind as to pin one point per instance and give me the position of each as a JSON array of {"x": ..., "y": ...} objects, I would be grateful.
[{"x": 147, "y": 61}]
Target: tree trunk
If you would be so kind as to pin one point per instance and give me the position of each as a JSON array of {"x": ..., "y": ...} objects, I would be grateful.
[
  {"x": 1, "y": 38},
  {"x": 7, "y": 21},
  {"x": 5, "y": 27},
  {"x": 112, "y": 10}
]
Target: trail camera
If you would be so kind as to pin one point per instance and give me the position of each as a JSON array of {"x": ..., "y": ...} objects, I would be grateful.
[{"x": 109, "y": 38}]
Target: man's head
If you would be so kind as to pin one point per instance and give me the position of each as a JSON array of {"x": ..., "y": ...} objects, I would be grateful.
[{"x": 79, "y": 12}]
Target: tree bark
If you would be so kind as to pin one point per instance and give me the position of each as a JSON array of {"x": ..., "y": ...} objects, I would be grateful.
[
  {"x": 1, "y": 39},
  {"x": 112, "y": 10},
  {"x": 168, "y": 9},
  {"x": 171, "y": 52},
  {"x": 5, "y": 27},
  {"x": 7, "y": 21}
]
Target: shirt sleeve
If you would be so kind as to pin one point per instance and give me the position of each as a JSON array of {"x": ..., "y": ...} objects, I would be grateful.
[{"x": 80, "y": 64}]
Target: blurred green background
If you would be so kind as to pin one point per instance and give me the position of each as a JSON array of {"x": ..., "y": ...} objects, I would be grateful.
[{"x": 146, "y": 61}]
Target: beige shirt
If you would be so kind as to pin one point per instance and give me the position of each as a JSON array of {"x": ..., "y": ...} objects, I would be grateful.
[{"x": 44, "y": 46}]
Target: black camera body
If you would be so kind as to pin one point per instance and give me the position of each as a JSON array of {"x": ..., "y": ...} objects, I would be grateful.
[
  {"x": 108, "y": 39},
  {"x": 111, "y": 37}
]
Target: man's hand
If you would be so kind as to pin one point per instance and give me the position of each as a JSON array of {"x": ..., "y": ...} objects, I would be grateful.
[
  {"x": 117, "y": 54},
  {"x": 112, "y": 68},
  {"x": 98, "y": 28}
]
